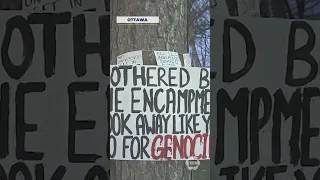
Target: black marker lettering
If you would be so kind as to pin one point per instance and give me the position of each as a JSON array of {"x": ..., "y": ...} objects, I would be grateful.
[
  {"x": 82, "y": 48},
  {"x": 172, "y": 77},
  {"x": 4, "y": 120},
  {"x": 257, "y": 124},
  {"x": 273, "y": 170},
  {"x": 133, "y": 100},
  {"x": 204, "y": 77},
  {"x": 57, "y": 175},
  {"x": 16, "y": 72},
  {"x": 20, "y": 168},
  {"x": 286, "y": 109},
  {"x": 307, "y": 131},
  {"x": 161, "y": 75},
  {"x": 124, "y": 145},
  {"x": 137, "y": 76},
  {"x": 302, "y": 53},
  {"x": 116, "y": 101},
  {"x": 21, "y": 126},
  {"x": 250, "y": 50},
  {"x": 150, "y": 77},
  {"x": 238, "y": 107},
  {"x": 78, "y": 125},
  {"x": 49, "y": 21},
  {"x": 229, "y": 172},
  {"x": 184, "y": 74}
]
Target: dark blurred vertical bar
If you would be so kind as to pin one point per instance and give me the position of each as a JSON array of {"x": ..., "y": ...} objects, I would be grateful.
[
  {"x": 212, "y": 74},
  {"x": 108, "y": 9},
  {"x": 107, "y": 5}
]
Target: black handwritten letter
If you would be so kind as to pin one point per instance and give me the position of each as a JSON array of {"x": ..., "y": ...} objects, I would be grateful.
[
  {"x": 204, "y": 77},
  {"x": 256, "y": 123},
  {"x": 57, "y": 175},
  {"x": 307, "y": 131},
  {"x": 21, "y": 126},
  {"x": 16, "y": 72},
  {"x": 250, "y": 49},
  {"x": 283, "y": 108},
  {"x": 229, "y": 172},
  {"x": 49, "y": 22},
  {"x": 4, "y": 120},
  {"x": 273, "y": 170},
  {"x": 77, "y": 125},
  {"x": 238, "y": 107},
  {"x": 302, "y": 54},
  {"x": 82, "y": 48},
  {"x": 183, "y": 74},
  {"x": 21, "y": 169}
]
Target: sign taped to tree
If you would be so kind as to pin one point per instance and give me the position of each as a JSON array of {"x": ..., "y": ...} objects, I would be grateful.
[
  {"x": 167, "y": 58},
  {"x": 266, "y": 97},
  {"x": 130, "y": 58},
  {"x": 159, "y": 113}
]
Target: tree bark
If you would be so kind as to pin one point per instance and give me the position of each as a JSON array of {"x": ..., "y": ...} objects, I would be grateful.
[{"x": 169, "y": 35}]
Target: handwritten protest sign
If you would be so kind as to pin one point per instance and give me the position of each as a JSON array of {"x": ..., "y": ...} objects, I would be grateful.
[
  {"x": 159, "y": 113},
  {"x": 167, "y": 58},
  {"x": 265, "y": 99},
  {"x": 187, "y": 60},
  {"x": 54, "y": 80},
  {"x": 130, "y": 58},
  {"x": 62, "y": 5}
]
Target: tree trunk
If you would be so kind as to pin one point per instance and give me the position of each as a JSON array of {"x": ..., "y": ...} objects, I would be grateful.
[{"x": 169, "y": 35}]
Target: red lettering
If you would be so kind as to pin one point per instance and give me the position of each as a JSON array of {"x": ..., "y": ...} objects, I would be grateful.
[
  {"x": 153, "y": 148},
  {"x": 166, "y": 147},
  {"x": 179, "y": 144},
  {"x": 185, "y": 142},
  {"x": 193, "y": 145},
  {"x": 205, "y": 138}
]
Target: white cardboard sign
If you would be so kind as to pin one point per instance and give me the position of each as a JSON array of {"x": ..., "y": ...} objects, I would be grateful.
[
  {"x": 130, "y": 58},
  {"x": 167, "y": 58},
  {"x": 187, "y": 60},
  {"x": 159, "y": 113}
]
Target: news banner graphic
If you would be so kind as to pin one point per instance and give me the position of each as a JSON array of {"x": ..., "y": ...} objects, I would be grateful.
[
  {"x": 138, "y": 20},
  {"x": 159, "y": 112}
]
